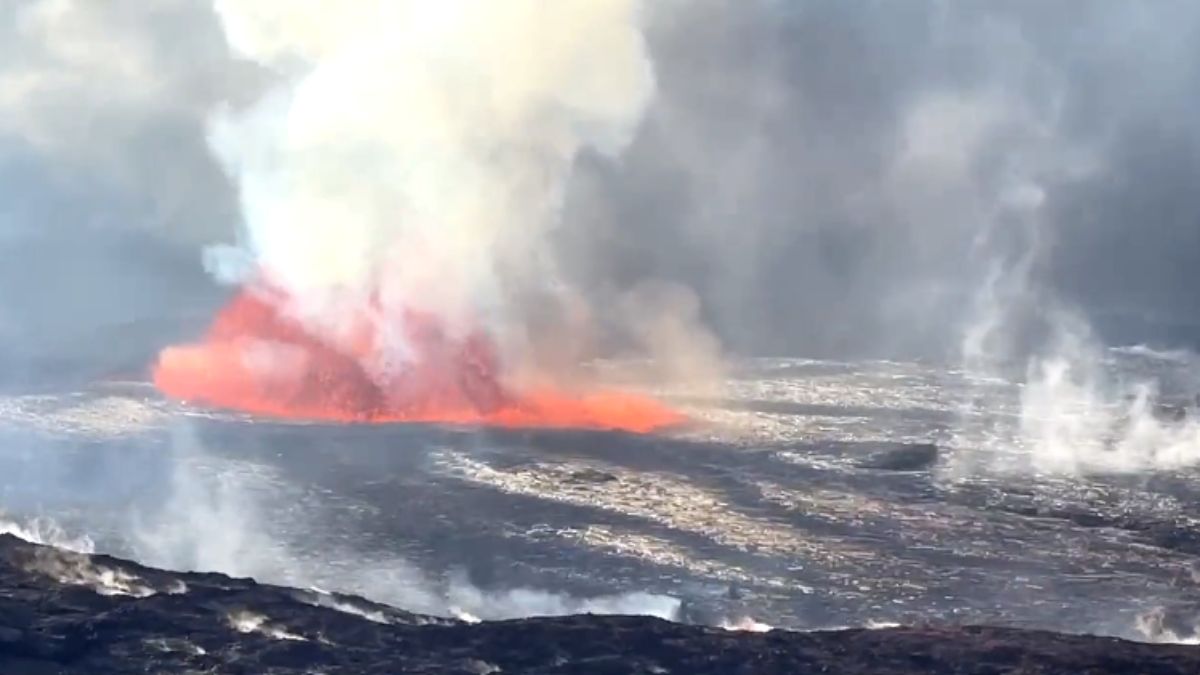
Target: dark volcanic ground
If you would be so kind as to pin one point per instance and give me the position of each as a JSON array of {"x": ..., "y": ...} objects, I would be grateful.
[
  {"x": 811, "y": 495},
  {"x": 64, "y": 613}
]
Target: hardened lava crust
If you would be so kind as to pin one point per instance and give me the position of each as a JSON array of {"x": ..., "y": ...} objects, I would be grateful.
[{"x": 67, "y": 613}]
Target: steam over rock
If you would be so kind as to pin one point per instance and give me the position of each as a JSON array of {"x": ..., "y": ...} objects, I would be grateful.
[{"x": 54, "y": 624}]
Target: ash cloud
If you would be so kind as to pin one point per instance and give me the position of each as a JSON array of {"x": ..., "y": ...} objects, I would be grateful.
[
  {"x": 847, "y": 178},
  {"x": 827, "y": 178}
]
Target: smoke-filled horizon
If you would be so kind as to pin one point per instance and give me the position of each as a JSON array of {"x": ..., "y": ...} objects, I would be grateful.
[{"x": 808, "y": 178}]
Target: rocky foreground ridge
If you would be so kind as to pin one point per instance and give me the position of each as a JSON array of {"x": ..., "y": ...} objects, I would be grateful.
[{"x": 63, "y": 612}]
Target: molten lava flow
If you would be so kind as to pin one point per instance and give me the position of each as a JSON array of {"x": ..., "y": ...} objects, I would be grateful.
[{"x": 257, "y": 360}]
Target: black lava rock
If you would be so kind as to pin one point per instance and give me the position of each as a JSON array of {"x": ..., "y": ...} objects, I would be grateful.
[
  {"x": 64, "y": 613},
  {"x": 902, "y": 457}
]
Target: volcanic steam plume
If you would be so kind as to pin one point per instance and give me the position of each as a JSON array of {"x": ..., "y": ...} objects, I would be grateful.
[{"x": 397, "y": 186}]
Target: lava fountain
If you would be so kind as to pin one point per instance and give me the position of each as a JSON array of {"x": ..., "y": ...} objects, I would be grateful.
[
  {"x": 256, "y": 359},
  {"x": 413, "y": 155}
]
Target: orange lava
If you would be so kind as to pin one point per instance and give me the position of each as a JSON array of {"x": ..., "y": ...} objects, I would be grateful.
[{"x": 256, "y": 360}]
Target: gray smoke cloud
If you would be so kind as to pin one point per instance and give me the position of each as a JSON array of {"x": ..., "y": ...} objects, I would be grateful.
[
  {"x": 108, "y": 188},
  {"x": 840, "y": 178},
  {"x": 825, "y": 177}
]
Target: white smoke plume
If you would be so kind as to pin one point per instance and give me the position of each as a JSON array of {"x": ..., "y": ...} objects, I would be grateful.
[
  {"x": 1078, "y": 416},
  {"x": 66, "y": 560},
  {"x": 487, "y": 605},
  {"x": 666, "y": 318},
  {"x": 746, "y": 624},
  {"x": 48, "y": 533},
  {"x": 68, "y": 567},
  {"x": 991, "y": 163},
  {"x": 1164, "y": 626},
  {"x": 245, "y": 621},
  {"x": 420, "y": 149}
]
